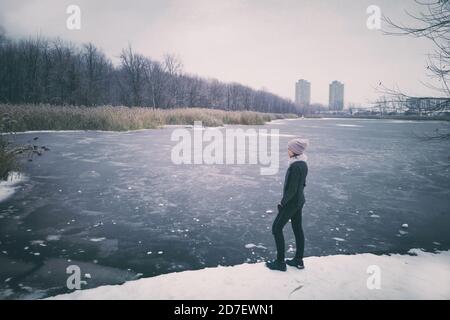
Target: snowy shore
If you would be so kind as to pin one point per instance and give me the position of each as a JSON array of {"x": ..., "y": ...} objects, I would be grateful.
[
  {"x": 420, "y": 275},
  {"x": 8, "y": 187}
]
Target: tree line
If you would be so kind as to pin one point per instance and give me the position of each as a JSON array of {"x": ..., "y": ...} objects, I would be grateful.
[{"x": 53, "y": 71}]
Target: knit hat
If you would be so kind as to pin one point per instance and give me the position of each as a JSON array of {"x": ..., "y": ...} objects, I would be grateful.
[{"x": 298, "y": 146}]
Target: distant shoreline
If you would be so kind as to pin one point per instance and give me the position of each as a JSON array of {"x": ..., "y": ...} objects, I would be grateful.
[{"x": 378, "y": 117}]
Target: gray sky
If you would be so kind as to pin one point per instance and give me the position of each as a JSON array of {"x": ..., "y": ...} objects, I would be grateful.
[{"x": 261, "y": 43}]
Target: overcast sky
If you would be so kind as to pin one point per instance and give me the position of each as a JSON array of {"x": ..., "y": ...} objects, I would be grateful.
[{"x": 261, "y": 43}]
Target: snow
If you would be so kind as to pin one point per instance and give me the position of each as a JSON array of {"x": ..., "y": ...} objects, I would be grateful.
[
  {"x": 83, "y": 131},
  {"x": 420, "y": 275},
  {"x": 8, "y": 187}
]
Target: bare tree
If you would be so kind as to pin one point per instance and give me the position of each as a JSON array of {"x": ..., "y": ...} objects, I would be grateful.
[
  {"x": 96, "y": 69},
  {"x": 433, "y": 24},
  {"x": 40, "y": 70},
  {"x": 134, "y": 68},
  {"x": 173, "y": 67},
  {"x": 156, "y": 79}
]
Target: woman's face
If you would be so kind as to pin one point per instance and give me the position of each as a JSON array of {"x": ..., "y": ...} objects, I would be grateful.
[{"x": 290, "y": 153}]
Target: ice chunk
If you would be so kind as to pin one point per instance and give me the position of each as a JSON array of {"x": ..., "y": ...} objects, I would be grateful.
[
  {"x": 97, "y": 239},
  {"x": 37, "y": 242},
  {"x": 252, "y": 245},
  {"x": 53, "y": 237}
]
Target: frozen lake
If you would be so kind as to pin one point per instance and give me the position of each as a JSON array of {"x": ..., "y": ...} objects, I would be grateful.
[{"x": 116, "y": 206}]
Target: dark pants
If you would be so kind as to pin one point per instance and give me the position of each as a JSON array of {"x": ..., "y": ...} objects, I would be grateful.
[{"x": 277, "y": 229}]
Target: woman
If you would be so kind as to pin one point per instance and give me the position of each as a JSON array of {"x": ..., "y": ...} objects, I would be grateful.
[{"x": 291, "y": 206}]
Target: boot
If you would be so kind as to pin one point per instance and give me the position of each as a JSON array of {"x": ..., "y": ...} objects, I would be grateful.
[
  {"x": 276, "y": 265},
  {"x": 296, "y": 262}
]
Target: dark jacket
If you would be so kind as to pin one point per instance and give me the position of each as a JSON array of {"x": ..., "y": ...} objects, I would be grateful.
[{"x": 294, "y": 183}]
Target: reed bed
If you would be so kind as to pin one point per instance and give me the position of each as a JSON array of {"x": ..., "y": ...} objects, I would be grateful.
[{"x": 111, "y": 118}]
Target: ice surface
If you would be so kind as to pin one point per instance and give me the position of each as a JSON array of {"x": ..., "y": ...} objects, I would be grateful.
[
  {"x": 201, "y": 216},
  {"x": 348, "y": 125}
]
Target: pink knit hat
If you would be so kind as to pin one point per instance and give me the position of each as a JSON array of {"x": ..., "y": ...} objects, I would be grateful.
[{"x": 298, "y": 146}]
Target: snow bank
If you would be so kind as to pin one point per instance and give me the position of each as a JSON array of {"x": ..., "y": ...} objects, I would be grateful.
[
  {"x": 41, "y": 131},
  {"x": 8, "y": 187},
  {"x": 70, "y": 131},
  {"x": 423, "y": 276}
]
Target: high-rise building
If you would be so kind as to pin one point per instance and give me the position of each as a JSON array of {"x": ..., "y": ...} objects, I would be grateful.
[
  {"x": 336, "y": 98},
  {"x": 303, "y": 93}
]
